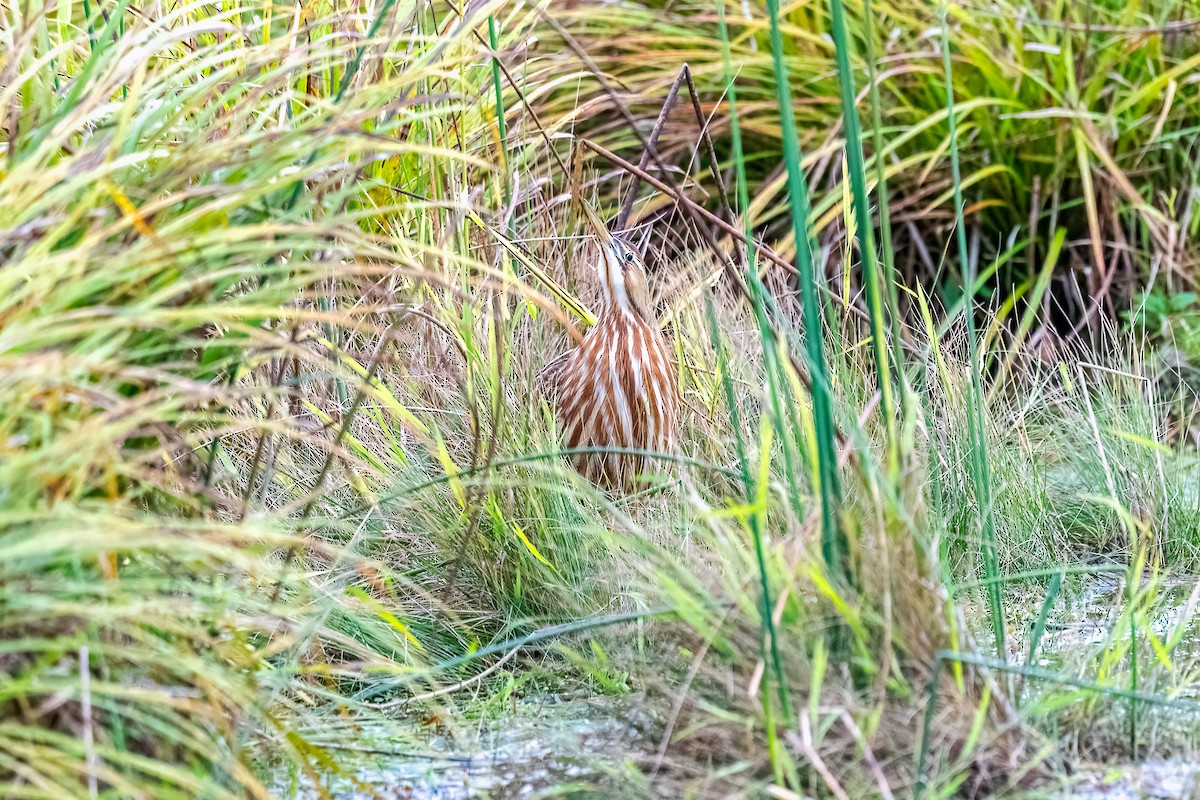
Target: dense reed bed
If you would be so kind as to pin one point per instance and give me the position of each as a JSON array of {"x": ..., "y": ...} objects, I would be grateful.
[{"x": 277, "y": 282}]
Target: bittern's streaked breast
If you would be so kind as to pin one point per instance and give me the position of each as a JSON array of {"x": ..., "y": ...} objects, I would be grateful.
[{"x": 618, "y": 389}]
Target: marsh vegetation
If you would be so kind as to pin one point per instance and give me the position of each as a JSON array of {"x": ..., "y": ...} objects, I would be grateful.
[{"x": 279, "y": 495}]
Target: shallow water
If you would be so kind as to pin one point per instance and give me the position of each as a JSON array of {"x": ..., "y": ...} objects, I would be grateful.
[
  {"x": 539, "y": 743},
  {"x": 1089, "y": 619},
  {"x": 1080, "y": 627},
  {"x": 544, "y": 742},
  {"x": 1150, "y": 780}
]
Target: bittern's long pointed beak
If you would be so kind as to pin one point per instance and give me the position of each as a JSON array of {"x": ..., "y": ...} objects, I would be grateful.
[{"x": 596, "y": 224}]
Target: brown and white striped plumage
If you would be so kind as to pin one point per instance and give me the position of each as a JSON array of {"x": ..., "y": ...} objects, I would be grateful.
[{"x": 618, "y": 389}]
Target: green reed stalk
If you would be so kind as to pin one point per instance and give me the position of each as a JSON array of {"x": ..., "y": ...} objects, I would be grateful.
[
  {"x": 890, "y": 276},
  {"x": 771, "y": 644},
  {"x": 494, "y": 43},
  {"x": 857, "y": 176},
  {"x": 502, "y": 156},
  {"x": 775, "y": 378},
  {"x": 769, "y": 640},
  {"x": 978, "y": 461},
  {"x": 833, "y": 540}
]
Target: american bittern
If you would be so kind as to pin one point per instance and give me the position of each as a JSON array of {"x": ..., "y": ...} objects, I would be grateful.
[{"x": 618, "y": 388}]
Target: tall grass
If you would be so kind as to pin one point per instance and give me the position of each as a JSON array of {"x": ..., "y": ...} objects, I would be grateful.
[
  {"x": 775, "y": 379},
  {"x": 1014, "y": 69},
  {"x": 272, "y": 464},
  {"x": 165, "y": 287}
]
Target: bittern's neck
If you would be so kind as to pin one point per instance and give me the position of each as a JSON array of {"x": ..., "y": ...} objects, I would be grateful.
[
  {"x": 620, "y": 301},
  {"x": 623, "y": 289},
  {"x": 615, "y": 302},
  {"x": 614, "y": 294}
]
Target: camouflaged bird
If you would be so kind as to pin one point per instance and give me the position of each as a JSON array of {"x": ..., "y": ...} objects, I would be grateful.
[{"x": 618, "y": 388}]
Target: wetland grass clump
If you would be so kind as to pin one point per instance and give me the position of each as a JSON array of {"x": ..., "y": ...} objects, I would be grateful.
[{"x": 273, "y": 467}]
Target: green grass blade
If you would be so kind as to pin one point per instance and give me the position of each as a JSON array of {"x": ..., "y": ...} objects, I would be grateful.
[
  {"x": 494, "y": 43},
  {"x": 978, "y": 462},
  {"x": 866, "y": 239},
  {"x": 890, "y": 276},
  {"x": 769, "y": 639},
  {"x": 1039, "y": 625},
  {"x": 774, "y": 372},
  {"x": 833, "y": 539}
]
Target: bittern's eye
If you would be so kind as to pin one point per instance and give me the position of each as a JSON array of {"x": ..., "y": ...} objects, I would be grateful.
[{"x": 629, "y": 258}]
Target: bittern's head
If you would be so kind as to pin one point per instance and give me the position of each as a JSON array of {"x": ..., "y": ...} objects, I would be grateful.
[{"x": 622, "y": 274}]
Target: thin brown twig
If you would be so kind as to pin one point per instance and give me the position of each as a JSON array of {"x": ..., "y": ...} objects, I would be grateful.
[
  {"x": 263, "y": 439},
  {"x": 648, "y": 147},
  {"x": 683, "y": 78},
  {"x": 689, "y": 204},
  {"x": 655, "y": 132},
  {"x": 713, "y": 163}
]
